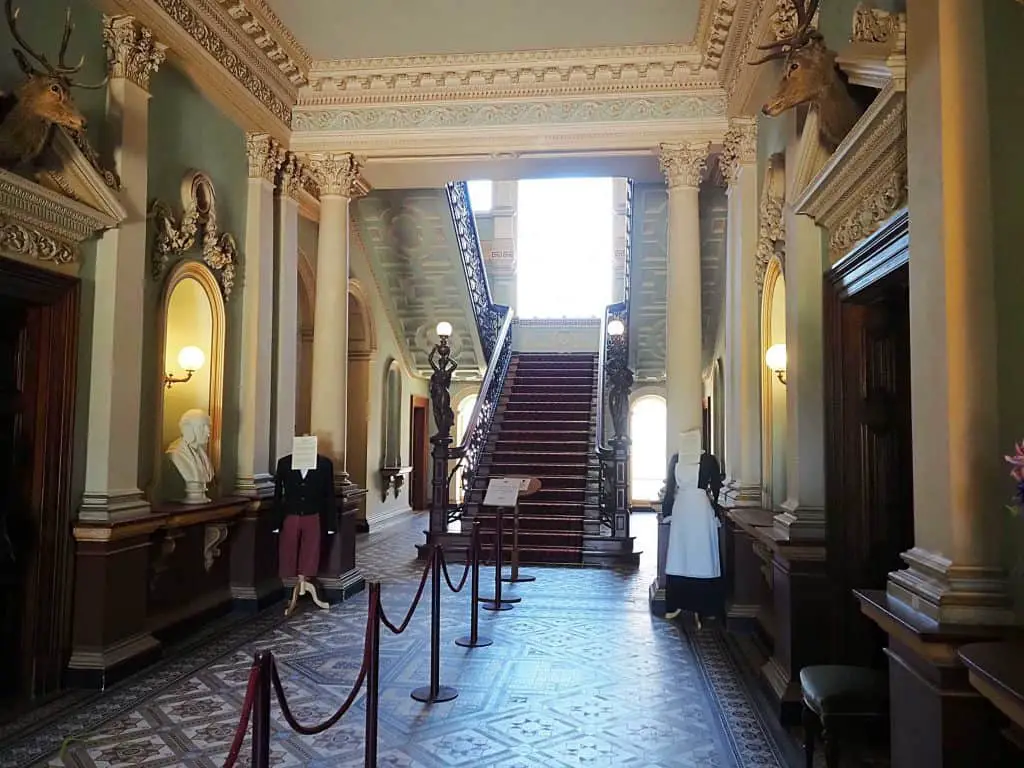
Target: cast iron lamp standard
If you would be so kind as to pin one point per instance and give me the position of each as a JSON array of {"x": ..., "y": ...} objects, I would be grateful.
[
  {"x": 441, "y": 401},
  {"x": 620, "y": 383}
]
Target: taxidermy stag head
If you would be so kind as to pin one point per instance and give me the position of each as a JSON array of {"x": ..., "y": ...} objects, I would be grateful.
[
  {"x": 811, "y": 76},
  {"x": 42, "y": 101}
]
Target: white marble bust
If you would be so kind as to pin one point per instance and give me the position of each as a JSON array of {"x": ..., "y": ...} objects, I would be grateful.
[{"x": 188, "y": 454}]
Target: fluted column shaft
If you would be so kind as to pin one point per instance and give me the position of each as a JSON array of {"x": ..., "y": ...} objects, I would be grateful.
[
  {"x": 254, "y": 469},
  {"x": 742, "y": 310},
  {"x": 286, "y": 306},
  {"x": 683, "y": 165},
  {"x": 338, "y": 177},
  {"x": 116, "y": 371}
]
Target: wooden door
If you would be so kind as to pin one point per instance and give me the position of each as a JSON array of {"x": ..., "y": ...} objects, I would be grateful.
[
  {"x": 419, "y": 490},
  {"x": 869, "y": 474}
]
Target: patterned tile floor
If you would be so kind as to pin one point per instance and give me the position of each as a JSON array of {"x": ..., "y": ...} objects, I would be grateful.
[{"x": 580, "y": 674}]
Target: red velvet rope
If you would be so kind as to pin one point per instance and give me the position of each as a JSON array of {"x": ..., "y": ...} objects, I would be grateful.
[
  {"x": 243, "y": 723},
  {"x": 465, "y": 572},
  {"x": 416, "y": 600},
  {"x": 312, "y": 730}
]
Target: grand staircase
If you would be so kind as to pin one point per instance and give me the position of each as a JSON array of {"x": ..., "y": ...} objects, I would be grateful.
[{"x": 544, "y": 428}]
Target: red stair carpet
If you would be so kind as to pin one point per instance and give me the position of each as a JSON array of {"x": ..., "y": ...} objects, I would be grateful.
[{"x": 544, "y": 428}]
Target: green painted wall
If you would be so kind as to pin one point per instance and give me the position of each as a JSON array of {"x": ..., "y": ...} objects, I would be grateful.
[
  {"x": 187, "y": 132},
  {"x": 1004, "y": 22},
  {"x": 41, "y": 23}
]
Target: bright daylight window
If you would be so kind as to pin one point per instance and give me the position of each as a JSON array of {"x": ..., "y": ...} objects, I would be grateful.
[
  {"x": 463, "y": 413},
  {"x": 647, "y": 429},
  {"x": 481, "y": 195},
  {"x": 564, "y": 247}
]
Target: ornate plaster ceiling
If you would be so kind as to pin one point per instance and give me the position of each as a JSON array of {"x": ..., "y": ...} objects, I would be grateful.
[
  {"x": 409, "y": 239},
  {"x": 366, "y": 29}
]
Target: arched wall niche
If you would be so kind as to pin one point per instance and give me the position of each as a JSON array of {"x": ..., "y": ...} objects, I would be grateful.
[
  {"x": 192, "y": 314},
  {"x": 773, "y": 391},
  {"x": 392, "y": 413}
]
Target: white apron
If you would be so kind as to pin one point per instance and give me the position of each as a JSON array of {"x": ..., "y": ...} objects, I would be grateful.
[{"x": 693, "y": 530}]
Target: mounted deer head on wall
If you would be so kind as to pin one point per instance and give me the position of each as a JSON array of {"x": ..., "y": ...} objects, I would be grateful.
[
  {"x": 811, "y": 77},
  {"x": 42, "y": 101}
]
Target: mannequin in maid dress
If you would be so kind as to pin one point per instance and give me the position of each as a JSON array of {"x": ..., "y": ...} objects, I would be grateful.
[{"x": 304, "y": 514}]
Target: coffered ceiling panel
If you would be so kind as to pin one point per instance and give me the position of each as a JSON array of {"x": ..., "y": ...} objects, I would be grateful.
[
  {"x": 409, "y": 239},
  {"x": 358, "y": 29}
]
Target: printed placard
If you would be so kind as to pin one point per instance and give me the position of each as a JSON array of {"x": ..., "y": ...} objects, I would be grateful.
[
  {"x": 502, "y": 492},
  {"x": 304, "y": 452}
]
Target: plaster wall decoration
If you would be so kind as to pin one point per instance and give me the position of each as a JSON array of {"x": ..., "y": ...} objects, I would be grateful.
[
  {"x": 877, "y": 52},
  {"x": 214, "y": 535},
  {"x": 265, "y": 156},
  {"x": 739, "y": 148},
  {"x": 865, "y": 181},
  {"x": 411, "y": 245},
  {"x": 684, "y": 164},
  {"x": 270, "y": 35},
  {"x": 873, "y": 25},
  {"x": 132, "y": 51},
  {"x": 771, "y": 229},
  {"x": 784, "y": 19},
  {"x": 197, "y": 226}
]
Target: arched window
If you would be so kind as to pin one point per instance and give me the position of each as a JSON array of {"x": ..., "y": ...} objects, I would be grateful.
[
  {"x": 647, "y": 427},
  {"x": 463, "y": 413}
]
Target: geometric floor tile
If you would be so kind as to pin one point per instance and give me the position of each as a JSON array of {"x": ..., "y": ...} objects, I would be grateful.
[{"x": 580, "y": 674}]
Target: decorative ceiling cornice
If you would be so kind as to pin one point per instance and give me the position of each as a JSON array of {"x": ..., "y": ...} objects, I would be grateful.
[{"x": 256, "y": 19}]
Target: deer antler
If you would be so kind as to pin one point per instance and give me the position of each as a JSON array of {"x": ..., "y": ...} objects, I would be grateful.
[
  {"x": 61, "y": 70},
  {"x": 801, "y": 36}
]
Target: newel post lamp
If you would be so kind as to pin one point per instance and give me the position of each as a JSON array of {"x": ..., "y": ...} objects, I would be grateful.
[
  {"x": 620, "y": 384},
  {"x": 441, "y": 403},
  {"x": 775, "y": 359}
]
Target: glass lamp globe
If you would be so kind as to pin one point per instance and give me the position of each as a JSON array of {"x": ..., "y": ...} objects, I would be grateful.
[
  {"x": 775, "y": 358},
  {"x": 444, "y": 328},
  {"x": 616, "y": 328},
  {"x": 191, "y": 358}
]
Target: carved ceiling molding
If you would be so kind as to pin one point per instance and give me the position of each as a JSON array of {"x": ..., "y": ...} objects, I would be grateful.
[
  {"x": 865, "y": 180},
  {"x": 771, "y": 225},
  {"x": 197, "y": 226},
  {"x": 257, "y": 20},
  {"x": 751, "y": 26},
  {"x": 224, "y": 61},
  {"x": 718, "y": 34}
]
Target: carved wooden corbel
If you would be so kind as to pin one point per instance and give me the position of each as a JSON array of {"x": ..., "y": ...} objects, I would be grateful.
[
  {"x": 198, "y": 224},
  {"x": 214, "y": 535}
]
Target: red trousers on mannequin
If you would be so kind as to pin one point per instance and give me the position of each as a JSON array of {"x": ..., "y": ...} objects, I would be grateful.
[{"x": 299, "y": 552}]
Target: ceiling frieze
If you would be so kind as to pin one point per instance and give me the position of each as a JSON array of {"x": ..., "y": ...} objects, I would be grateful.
[{"x": 261, "y": 25}]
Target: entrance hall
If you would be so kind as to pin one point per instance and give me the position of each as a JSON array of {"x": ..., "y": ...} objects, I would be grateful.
[{"x": 580, "y": 673}]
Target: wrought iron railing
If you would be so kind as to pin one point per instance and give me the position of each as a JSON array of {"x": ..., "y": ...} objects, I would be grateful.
[
  {"x": 494, "y": 324},
  {"x": 613, "y": 352}
]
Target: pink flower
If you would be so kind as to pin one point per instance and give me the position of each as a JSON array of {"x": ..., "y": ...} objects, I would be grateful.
[{"x": 1017, "y": 462}]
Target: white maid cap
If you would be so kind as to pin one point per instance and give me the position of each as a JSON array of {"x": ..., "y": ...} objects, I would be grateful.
[{"x": 690, "y": 446}]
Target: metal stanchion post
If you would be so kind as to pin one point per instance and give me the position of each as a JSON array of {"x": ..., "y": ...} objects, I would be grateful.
[
  {"x": 373, "y": 678},
  {"x": 474, "y": 640},
  {"x": 515, "y": 577},
  {"x": 499, "y": 603},
  {"x": 261, "y": 713},
  {"x": 435, "y": 692}
]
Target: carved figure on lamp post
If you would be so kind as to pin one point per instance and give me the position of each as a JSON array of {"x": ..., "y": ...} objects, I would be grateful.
[
  {"x": 440, "y": 382},
  {"x": 620, "y": 384}
]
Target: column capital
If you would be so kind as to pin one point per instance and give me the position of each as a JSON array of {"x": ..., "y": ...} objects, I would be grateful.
[
  {"x": 337, "y": 173},
  {"x": 265, "y": 156},
  {"x": 684, "y": 164},
  {"x": 132, "y": 52},
  {"x": 739, "y": 147},
  {"x": 292, "y": 180}
]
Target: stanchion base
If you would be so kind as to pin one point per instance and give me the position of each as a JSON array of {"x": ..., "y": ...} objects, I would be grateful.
[
  {"x": 444, "y": 693},
  {"x": 467, "y": 642},
  {"x": 505, "y": 600},
  {"x": 492, "y": 606},
  {"x": 517, "y": 579}
]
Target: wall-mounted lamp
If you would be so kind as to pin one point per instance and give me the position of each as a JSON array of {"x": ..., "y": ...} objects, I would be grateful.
[
  {"x": 775, "y": 359},
  {"x": 191, "y": 359},
  {"x": 616, "y": 327}
]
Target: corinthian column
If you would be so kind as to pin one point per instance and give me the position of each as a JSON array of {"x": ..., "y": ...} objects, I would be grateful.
[
  {"x": 254, "y": 470},
  {"x": 286, "y": 293},
  {"x": 115, "y": 384},
  {"x": 337, "y": 175},
  {"x": 742, "y": 347},
  {"x": 683, "y": 166}
]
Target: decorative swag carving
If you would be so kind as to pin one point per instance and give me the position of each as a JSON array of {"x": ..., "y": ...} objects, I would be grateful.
[
  {"x": 219, "y": 249},
  {"x": 771, "y": 230}
]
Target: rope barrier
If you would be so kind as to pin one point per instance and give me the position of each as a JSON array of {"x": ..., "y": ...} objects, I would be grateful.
[
  {"x": 415, "y": 602},
  {"x": 243, "y": 723},
  {"x": 465, "y": 572}
]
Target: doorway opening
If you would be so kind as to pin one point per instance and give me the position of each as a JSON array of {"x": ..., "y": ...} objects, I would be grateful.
[
  {"x": 565, "y": 239},
  {"x": 419, "y": 484}
]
